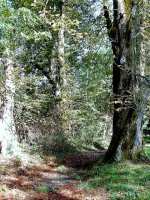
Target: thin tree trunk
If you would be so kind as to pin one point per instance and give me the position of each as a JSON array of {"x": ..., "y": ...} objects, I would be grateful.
[{"x": 61, "y": 58}]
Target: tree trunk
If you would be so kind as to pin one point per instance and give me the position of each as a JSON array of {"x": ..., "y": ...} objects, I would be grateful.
[
  {"x": 58, "y": 67},
  {"x": 9, "y": 144},
  {"x": 138, "y": 140},
  {"x": 63, "y": 78},
  {"x": 125, "y": 36}
]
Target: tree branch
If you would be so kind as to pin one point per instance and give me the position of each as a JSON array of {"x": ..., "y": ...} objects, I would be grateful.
[{"x": 46, "y": 74}]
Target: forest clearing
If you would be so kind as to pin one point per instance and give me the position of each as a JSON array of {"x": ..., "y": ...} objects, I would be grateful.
[{"x": 74, "y": 100}]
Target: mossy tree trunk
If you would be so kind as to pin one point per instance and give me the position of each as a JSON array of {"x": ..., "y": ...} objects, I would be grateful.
[{"x": 125, "y": 36}]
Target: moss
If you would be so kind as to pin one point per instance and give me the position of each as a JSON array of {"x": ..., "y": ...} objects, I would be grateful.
[
  {"x": 138, "y": 154},
  {"x": 128, "y": 7}
]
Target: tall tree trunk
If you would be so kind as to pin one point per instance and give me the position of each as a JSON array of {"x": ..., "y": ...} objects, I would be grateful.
[
  {"x": 61, "y": 61},
  {"x": 63, "y": 78},
  {"x": 125, "y": 36},
  {"x": 138, "y": 139},
  {"x": 7, "y": 126},
  {"x": 59, "y": 80}
]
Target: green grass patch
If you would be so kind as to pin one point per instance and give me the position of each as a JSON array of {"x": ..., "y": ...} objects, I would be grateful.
[
  {"x": 75, "y": 176},
  {"x": 123, "y": 181},
  {"x": 62, "y": 168},
  {"x": 147, "y": 150},
  {"x": 45, "y": 189}
]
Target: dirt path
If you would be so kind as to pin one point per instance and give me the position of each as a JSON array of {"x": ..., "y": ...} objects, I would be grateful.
[{"x": 43, "y": 181}]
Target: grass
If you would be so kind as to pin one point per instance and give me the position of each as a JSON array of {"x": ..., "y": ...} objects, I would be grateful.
[
  {"x": 45, "y": 189},
  {"x": 124, "y": 181},
  {"x": 147, "y": 150}
]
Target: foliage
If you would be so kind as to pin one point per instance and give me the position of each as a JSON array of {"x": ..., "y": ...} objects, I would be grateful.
[
  {"x": 35, "y": 34},
  {"x": 147, "y": 139},
  {"x": 89, "y": 84}
]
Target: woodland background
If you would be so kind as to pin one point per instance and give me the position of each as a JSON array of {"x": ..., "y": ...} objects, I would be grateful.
[{"x": 74, "y": 91}]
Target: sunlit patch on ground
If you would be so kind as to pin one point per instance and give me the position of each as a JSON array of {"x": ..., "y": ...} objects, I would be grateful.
[{"x": 48, "y": 181}]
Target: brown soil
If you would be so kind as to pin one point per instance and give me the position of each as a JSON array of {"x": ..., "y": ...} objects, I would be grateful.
[{"x": 46, "y": 181}]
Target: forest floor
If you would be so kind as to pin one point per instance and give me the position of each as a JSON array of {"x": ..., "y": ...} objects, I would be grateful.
[
  {"x": 50, "y": 178},
  {"x": 46, "y": 180}
]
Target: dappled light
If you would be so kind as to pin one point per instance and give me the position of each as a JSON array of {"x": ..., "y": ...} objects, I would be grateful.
[
  {"x": 47, "y": 181},
  {"x": 74, "y": 100}
]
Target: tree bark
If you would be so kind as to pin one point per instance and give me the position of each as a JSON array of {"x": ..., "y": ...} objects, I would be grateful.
[
  {"x": 125, "y": 37},
  {"x": 63, "y": 78},
  {"x": 9, "y": 144}
]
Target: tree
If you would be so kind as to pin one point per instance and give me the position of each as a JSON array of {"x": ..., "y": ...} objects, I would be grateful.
[
  {"x": 43, "y": 47},
  {"x": 7, "y": 136},
  {"x": 125, "y": 35},
  {"x": 11, "y": 23}
]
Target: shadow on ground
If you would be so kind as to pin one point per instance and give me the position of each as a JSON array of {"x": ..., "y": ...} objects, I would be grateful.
[{"x": 48, "y": 181}]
